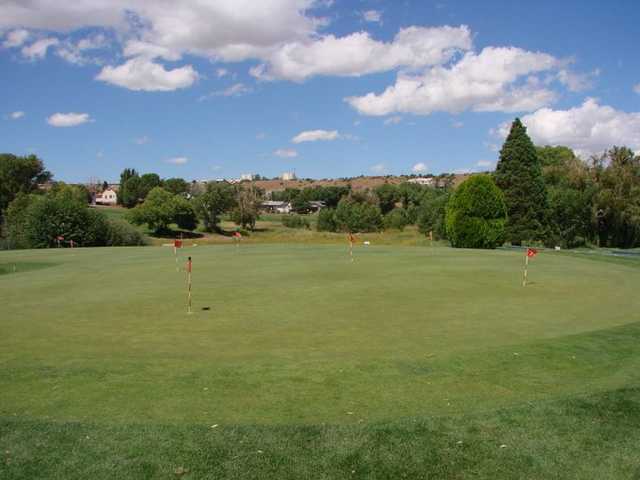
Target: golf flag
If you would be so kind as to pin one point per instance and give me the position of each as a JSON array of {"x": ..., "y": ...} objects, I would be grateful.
[
  {"x": 177, "y": 243},
  {"x": 189, "y": 285},
  {"x": 351, "y": 240},
  {"x": 531, "y": 252}
]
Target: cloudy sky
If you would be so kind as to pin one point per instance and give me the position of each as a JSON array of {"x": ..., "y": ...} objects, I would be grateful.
[{"x": 207, "y": 89}]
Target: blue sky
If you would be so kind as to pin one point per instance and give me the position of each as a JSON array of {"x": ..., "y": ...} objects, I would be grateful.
[{"x": 328, "y": 89}]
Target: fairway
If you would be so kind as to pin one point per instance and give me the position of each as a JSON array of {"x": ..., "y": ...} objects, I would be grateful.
[{"x": 296, "y": 335}]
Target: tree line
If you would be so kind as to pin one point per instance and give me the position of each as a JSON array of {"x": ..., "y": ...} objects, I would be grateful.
[{"x": 537, "y": 195}]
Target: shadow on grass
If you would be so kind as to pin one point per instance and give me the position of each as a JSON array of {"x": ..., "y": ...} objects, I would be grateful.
[{"x": 20, "y": 267}]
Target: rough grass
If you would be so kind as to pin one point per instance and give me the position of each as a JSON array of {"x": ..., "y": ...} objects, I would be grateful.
[{"x": 314, "y": 367}]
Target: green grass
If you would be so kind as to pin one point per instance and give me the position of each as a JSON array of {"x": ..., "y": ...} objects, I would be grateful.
[{"x": 375, "y": 369}]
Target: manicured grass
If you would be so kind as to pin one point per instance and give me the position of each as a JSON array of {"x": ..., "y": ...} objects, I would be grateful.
[{"x": 332, "y": 369}]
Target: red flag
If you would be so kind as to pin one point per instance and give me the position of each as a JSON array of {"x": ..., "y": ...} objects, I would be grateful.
[
  {"x": 177, "y": 243},
  {"x": 531, "y": 252},
  {"x": 189, "y": 265},
  {"x": 237, "y": 234}
]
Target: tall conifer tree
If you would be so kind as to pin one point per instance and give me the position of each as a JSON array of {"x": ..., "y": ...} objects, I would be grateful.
[{"x": 519, "y": 175}]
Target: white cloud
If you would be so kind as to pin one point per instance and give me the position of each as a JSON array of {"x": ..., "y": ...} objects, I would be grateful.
[
  {"x": 588, "y": 129},
  {"x": 379, "y": 168},
  {"x": 373, "y": 16},
  {"x": 286, "y": 153},
  {"x": 419, "y": 168},
  {"x": 636, "y": 88},
  {"x": 76, "y": 52},
  {"x": 38, "y": 49},
  {"x": 577, "y": 82},
  {"x": 487, "y": 81},
  {"x": 396, "y": 119},
  {"x": 70, "y": 119},
  {"x": 142, "y": 140},
  {"x": 221, "y": 72},
  {"x": 358, "y": 54},
  {"x": 177, "y": 160},
  {"x": 457, "y": 124},
  {"x": 16, "y": 115},
  {"x": 142, "y": 74},
  {"x": 15, "y": 38},
  {"x": 235, "y": 90},
  {"x": 315, "y": 135},
  {"x": 484, "y": 163}
]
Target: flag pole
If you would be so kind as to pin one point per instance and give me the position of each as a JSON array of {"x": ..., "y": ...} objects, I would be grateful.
[
  {"x": 526, "y": 265},
  {"x": 351, "y": 246},
  {"x": 189, "y": 285}
]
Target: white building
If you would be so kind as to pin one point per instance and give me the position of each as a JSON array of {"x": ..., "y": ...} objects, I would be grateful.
[
  {"x": 288, "y": 176},
  {"x": 247, "y": 176},
  {"x": 274, "y": 206},
  {"x": 108, "y": 197},
  {"x": 422, "y": 181}
]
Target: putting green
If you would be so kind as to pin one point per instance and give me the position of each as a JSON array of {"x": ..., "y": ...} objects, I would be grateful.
[{"x": 286, "y": 334}]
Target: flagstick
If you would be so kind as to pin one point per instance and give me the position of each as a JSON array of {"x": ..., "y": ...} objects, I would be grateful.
[
  {"x": 175, "y": 254},
  {"x": 526, "y": 264},
  {"x": 189, "y": 285},
  {"x": 351, "y": 249}
]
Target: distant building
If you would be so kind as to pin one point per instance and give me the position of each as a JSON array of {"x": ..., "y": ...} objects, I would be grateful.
[
  {"x": 428, "y": 181},
  {"x": 316, "y": 205},
  {"x": 274, "y": 206},
  {"x": 247, "y": 176},
  {"x": 288, "y": 176},
  {"x": 108, "y": 197}
]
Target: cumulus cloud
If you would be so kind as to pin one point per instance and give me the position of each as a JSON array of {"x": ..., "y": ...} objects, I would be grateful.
[
  {"x": 177, "y": 160},
  {"x": 419, "y": 168},
  {"x": 15, "y": 38},
  {"x": 577, "y": 82},
  {"x": 373, "y": 16},
  {"x": 492, "y": 80},
  {"x": 38, "y": 49},
  {"x": 70, "y": 119},
  {"x": 636, "y": 88},
  {"x": 359, "y": 54},
  {"x": 16, "y": 115},
  {"x": 143, "y": 74},
  {"x": 285, "y": 153},
  {"x": 221, "y": 72},
  {"x": 315, "y": 135},
  {"x": 588, "y": 129}
]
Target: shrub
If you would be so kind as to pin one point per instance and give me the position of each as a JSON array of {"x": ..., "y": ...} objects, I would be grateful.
[
  {"x": 431, "y": 214},
  {"x": 476, "y": 214},
  {"x": 355, "y": 214},
  {"x": 327, "y": 220},
  {"x": 122, "y": 234},
  {"x": 295, "y": 221},
  {"x": 396, "y": 218}
]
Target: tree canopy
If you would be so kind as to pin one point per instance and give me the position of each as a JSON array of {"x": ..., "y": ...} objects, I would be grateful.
[{"x": 519, "y": 175}]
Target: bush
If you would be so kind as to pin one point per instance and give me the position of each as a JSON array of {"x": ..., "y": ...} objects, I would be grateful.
[
  {"x": 396, "y": 218},
  {"x": 122, "y": 234},
  {"x": 476, "y": 214},
  {"x": 431, "y": 214},
  {"x": 358, "y": 215},
  {"x": 327, "y": 220},
  {"x": 295, "y": 221}
]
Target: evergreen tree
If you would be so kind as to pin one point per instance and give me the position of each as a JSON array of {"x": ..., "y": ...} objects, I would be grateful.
[{"x": 519, "y": 175}]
